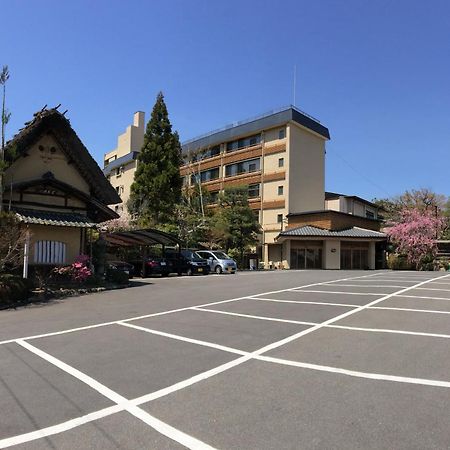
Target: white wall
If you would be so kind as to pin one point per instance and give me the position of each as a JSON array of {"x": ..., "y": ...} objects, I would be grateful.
[
  {"x": 306, "y": 170},
  {"x": 331, "y": 254}
]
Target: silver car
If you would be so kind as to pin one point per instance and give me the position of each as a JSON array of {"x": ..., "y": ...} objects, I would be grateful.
[{"x": 218, "y": 261}]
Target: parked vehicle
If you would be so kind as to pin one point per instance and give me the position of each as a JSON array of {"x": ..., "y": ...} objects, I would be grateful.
[
  {"x": 218, "y": 261},
  {"x": 154, "y": 265},
  {"x": 122, "y": 266},
  {"x": 187, "y": 261}
]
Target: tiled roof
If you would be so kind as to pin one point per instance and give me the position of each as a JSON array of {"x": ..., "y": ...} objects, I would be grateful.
[
  {"x": 53, "y": 218},
  {"x": 354, "y": 232}
]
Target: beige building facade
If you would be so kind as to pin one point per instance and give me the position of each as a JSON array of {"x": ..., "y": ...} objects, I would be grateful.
[
  {"x": 280, "y": 156},
  {"x": 120, "y": 164}
]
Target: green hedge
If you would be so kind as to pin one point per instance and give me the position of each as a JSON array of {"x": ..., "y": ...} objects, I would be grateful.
[
  {"x": 13, "y": 289},
  {"x": 397, "y": 262}
]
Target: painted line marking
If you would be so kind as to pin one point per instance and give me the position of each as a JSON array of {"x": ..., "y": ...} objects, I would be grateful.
[
  {"x": 337, "y": 292},
  {"x": 433, "y": 289},
  {"x": 130, "y": 319},
  {"x": 376, "y": 280},
  {"x": 249, "y": 316},
  {"x": 372, "y": 286},
  {"x": 387, "y": 330},
  {"x": 410, "y": 310},
  {"x": 427, "y": 298},
  {"x": 184, "y": 339},
  {"x": 158, "y": 425},
  {"x": 354, "y": 373},
  {"x": 344, "y": 327},
  {"x": 347, "y": 305}
]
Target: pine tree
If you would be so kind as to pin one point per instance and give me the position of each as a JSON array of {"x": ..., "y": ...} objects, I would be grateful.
[{"x": 156, "y": 189}]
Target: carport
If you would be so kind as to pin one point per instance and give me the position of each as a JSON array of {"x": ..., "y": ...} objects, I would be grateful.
[{"x": 145, "y": 238}]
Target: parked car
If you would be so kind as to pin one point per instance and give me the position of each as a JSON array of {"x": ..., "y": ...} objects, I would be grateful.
[
  {"x": 122, "y": 266},
  {"x": 154, "y": 265},
  {"x": 218, "y": 261},
  {"x": 187, "y": 261}
]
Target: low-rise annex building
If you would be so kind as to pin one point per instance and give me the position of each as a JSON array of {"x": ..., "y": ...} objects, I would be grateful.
[{"x": 56, "y": 189}]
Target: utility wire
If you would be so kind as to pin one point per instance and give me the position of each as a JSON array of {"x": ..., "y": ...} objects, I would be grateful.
[{"x": 361, "y": 174}]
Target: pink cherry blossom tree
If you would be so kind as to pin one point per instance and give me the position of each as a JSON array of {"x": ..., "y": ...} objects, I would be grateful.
[{"x": 414, "y": 234}]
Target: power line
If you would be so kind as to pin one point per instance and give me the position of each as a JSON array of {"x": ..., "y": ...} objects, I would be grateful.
[{"x": 361, "y": 174}]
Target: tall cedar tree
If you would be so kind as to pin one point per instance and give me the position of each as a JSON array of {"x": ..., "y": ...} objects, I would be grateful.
[{"x": 156, "y": 189}]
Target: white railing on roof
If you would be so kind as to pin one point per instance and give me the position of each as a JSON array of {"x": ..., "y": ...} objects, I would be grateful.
[{"x": 248, "y": 120}]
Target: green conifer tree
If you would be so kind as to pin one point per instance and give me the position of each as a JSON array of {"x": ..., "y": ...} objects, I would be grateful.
[{"x": 156, "y": 189}]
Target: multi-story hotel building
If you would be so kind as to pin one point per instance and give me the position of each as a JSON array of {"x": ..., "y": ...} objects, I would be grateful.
[
  {"x": 119, "y": 164},
  {"x": 280, "y": 157}
]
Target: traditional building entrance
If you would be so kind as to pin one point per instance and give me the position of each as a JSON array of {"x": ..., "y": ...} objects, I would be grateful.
[
  {"x": 306, "y": 255},
  {"x": 354, "y": 255}
]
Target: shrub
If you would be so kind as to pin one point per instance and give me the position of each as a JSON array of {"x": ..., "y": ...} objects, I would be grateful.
[
  {"x": 75, "y": 273},
  {"x": 398, "y": 262},
  {"x": 13, "y": 289}
]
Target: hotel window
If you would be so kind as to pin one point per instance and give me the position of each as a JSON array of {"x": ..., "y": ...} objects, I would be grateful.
[
  {"x": 244, "y": 142},
  {"x": 253, "y": 190},
  {"x": 280, "y": 162},
  {"x": 119, "y": 171},
  {"x": 205, "y": 175},
  {"x": 279, "y": 218},
  {"x": 251, "y": 165},
  {"x": 370, "y": 215},
  {"x": 210, "y": 152},
  {"x": 282, "y": 134},
  {"x": 49, "y": 252},
  {"x": 280, "y": 190}
]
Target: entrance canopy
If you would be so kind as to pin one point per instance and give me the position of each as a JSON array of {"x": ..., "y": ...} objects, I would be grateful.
[{"x": 144, "y": 237}]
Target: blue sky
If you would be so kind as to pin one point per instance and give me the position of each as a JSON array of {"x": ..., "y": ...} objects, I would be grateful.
[{"x": 376, "y": 73}]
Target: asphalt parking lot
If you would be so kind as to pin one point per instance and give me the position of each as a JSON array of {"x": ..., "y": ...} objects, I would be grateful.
[{"x": 278, "y": 360}]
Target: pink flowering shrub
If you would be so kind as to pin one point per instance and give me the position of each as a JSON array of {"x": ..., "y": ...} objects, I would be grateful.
[
  {"x": 414, "y": 235},
  {"x": 76, "y": 272}
]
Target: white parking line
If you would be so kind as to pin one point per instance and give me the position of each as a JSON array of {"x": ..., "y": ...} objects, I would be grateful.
[
  {"x": 337, "y": 292},
  {"x": 184, "y": 339},
  {"x": 249, "y": 316},
  {"x": 354, "y": 373},
  {"x": 303, "y": 302},
  {"x": 372, "y": 285},
  {"x": 433, "y": 289},
  {"x": 427, "y": 298},
  {"x": 158, "y": 425},
  {"x": 344, "y": 327},
  {"x": 130, "y": 319},
  {"x": 376, "y": 280},
  {"x": 410, "y": 309}
]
